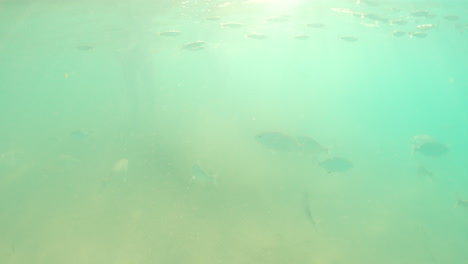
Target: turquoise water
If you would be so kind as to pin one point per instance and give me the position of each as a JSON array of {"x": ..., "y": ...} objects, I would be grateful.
[{"x": 120, "y": 144}]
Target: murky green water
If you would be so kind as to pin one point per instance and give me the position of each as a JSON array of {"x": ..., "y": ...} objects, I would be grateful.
[{"x": 328, "y": 132}]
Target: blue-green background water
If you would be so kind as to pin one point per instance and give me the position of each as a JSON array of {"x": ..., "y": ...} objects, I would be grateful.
[{"x": 103, "y": 118}]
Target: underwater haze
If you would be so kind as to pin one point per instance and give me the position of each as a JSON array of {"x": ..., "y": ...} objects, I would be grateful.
[{"x": 243, "y": 131}]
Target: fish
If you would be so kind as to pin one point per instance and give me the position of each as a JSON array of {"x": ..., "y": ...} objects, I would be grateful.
[
  {"x": 315, "y": 25},
  {"x": 170, "y": 33},
  {"x": 278, "y": 141},
  {"x": 308, "y": 210},
  {"x": 336, "y": 164},
  {"x": 213, "y": 18},
  {"x": 81, "y": 134},
  {"x": 276, "y": 19},
  {"x": 84, "y": 47},
  {"x": 461, "y": 202},
  {"x": 232, "y": 25},
  {"x": 398, "y": 33},
  {"x": 376, "y": 17},
  {"x": 309, "y": 146},
  {"x": 424, "y": 172},
  {"x": 349, "y": 38},
  {"x": 121, "y": 166},
  {"x": 418, "y": 35},
  {"x": 399, "y": 22},
  {"x": 432, "y": 149},
  {"x": 301, "y": 36},
  {"x": 200, "y": 176},
  {"x": 196, "y": 45},
  {"x": 451, "y": 18},
  {"x": 421, "y": 13},
  {"x": 426, "y": 27},
  {"x": 256, "y": 36}
]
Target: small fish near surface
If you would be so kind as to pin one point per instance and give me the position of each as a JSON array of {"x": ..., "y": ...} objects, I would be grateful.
[
  {"x": 196, "y": 45},
  {"x": 315, "y": 25},
  {"x": 301, "y": 36},
  {"x": 278, "y": 141},
  {"x": 336, "y": 164},
  {"x": 418, "y": 35},
  {"x": 201, "y": 176},
  {"x": 349, "y": 38},
  {"x": 276, "y": 19},
  {"x": 170, "y": 33},
  {"x": 232, "y": 25},
  {"x": 397, "y": 33},
  {"x": 256, "y": 36}
]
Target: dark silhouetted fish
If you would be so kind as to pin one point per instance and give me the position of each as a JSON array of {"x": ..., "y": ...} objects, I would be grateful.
[
  {"x": 81, "y": 133},
  {"x": 424, "y": 172},
  {"x": 309, "y": 146},
  {"x": 461, "y": 202},
  {"x": 200, "y": 176},
  {"x": 451, "y": 18},
  {"x": 432, "y": 149},
  {"x": 278, "y": 141},
  {"x": 336, "y": 164},
  {"x": 308, "y": 210}
]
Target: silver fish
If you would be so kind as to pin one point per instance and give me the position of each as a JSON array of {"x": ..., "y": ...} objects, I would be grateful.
[
  {"x": 170, "y": 33},
  {"x": 232, "y": 25},
  {"x": 278, "y": 141},
  {"x": 399, "y": 22},
  {"x": 336, "y": 164},
  {"x": 213, "y": 18},
  {"x": 418, "y": 35},
  {"x": 376, "y": 17},
  {"x": 398, "y": 33},
  {"x": 315, "y": 25},
  {"x": 256, "y": 36},
  {"x": 421, "y": 13},
  {"x": 276, "y": 19},
  {"x": 349, "y": 38},
  {"x": 196, "y": 45},
  {"x": 301, "y": 36},
  {"x": 426, "y": 27}
]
